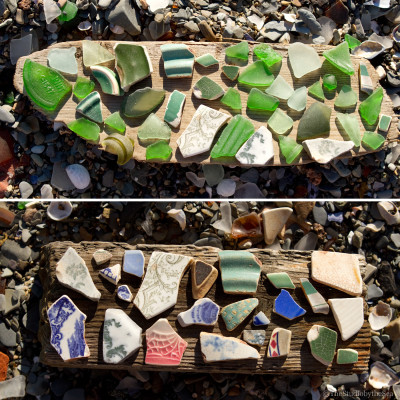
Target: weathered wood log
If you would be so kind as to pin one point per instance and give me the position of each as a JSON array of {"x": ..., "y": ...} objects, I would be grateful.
[{"x": 295, "y": 263}]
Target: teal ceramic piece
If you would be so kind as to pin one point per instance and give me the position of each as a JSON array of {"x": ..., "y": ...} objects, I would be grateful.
[
  {"x": 234, "y": 314},
  {"x": 281, "y": 280},
  {"x": 206, "y": 88},
  {"x": 108, "y": 80},
  {"x": 206, "y": 60},
  {"x": 173, "y": 112},
  {"x": 178, "y": 60},
  {"x": 286, "y": 307},
  {"x": 63, "y": 60},
  {"x": 90, "y": 107},
  {"x": 240, "y": 271}
]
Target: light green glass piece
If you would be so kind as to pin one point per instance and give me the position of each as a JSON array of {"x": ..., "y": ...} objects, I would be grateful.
[
  {"x": 94, "y": 54},
  {"x": 108, "y": 80},
  {"x": 290, "y": 149},
  {"x": 298, "y": 100},
  {"x": 315, "y": 122},
  {"x": 120, "y": 145},
  {"x": 142, "y": 102},
  {"x": 347, "y": 97},
  {"x": 153, "y": 129},
  {"x": 347, "y": 356},
  {"x": 90, "y": 107},
  {"x": 384, "y": 123},
  {"x": 238, "y": 130},
  {"x": 329, "y": 81},
  {"x": 372, "y": 140},
  {"x": 303, "y": 59},
  {"x": 280, "y": 88},
  {"x": 206, "y": 60},
  {"x": 256, "y": 74},
  {"x": 68, "y": 12},
  {"x": 371, "y": 107},
  {"x": 316, "y": 91},
  {"x": 281, "y": 280},
  {"x": 351, "y": 41},
  {"x": 173, "y": 112},
  {"x": 178, "y": 60},
  {"x": 206, "y": 88},
  {"x": 232, "y": 99},
  {"x": 160, "y": 150},
  {"x": 323, "y": 343},
  {"x": 231, "y": 72},
  {"x": 63, "y": 60},
  {"x": 339, "y": 56},
  {"x": 82, "y": 87},
  {"x": 85, "y": 129},
  {"x": 240, "y": 50},
  {"x": 132, "y": 63},
  {"x": 259, "y": 100},
  {"x": 234, "y": 314},
  {"x": 349, "y": 123},
  {"x": 267, "y": 54},
  {"x": 115, "y": 122},
  {"x": 45, "y": 86},
  {"x": 280, "y": 123}
]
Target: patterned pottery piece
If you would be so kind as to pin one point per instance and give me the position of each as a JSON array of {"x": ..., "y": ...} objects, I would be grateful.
[
  {"x": 347, "y": 356},
  {"x": 203, "y": 312},
  {"x": 317, "y": 302},
  {"x": 112, "y": 274},
  {"x": 134, "y": 262},
  {"x": 164, "y": 345},
  {"x": 203, "y": 277},
  {"x": 281, "y": 280},
  {"x": 101, "y": 256},
  {"x": 254, "y": 337},
  {"x": 260, "y": 319},
  {"x": 286, "y": 307},
  {"x": 323, "y": 343},
  {"x": 279, "y": 344},
  {"x": 234, "y": 314},
  {"x": 124, "y": 293},
  {"x": 67, "y": 324}
]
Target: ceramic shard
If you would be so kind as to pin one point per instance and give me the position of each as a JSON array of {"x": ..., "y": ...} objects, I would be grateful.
[
  {"x": 45, "y": 86},
  {"x": 206, "y": 88},
  {"x": 160, "y": 286},
  {"x": 164, "y": 345},
  {"x": 279, "y": 344},
  {"x": 178, "y": 60},
  {"x": 267, "y": 54},
  {"x": 329, "y": 81},
  {"x": 206, "y": 60},
  {"x": 107, "y": 79},
  {"x": 371, "y": 107},
  {"x": 232, "y": 99},
  {"x": 95, "y": 54},
  {"x": 315, "y": 122},
  {"x": 203, "y": 312},
  {"x": 234, "y": 314},
  {"x": 365, "y": 80},
  {"x": 273, "y": 222},
  {"x": 372, "y": 140},
  {"x": 384, "y": 123},
  {"x": 256, "y": 74},
  {"x": 322, "y": 342},
  {"x": 240, "y": 271},
  {"x": 82, "y": 87},
  {"x": 231, "y": 72},
  {"x": 317, "y": 302},
  {"x": 240, "y": 51},
  {"x": 124, "y": 293},
  {"x": 280, "y": 88},
  {"x": 90, "y": 107},
  {"x": 132, "y": 63},
  {"x": 280, "y": 123},
  {"x": 115, "y": 122},
  {"x": 254, "y": 337},
  {"x": 303, "y": 59},
  {"x": 316, "y": 91},
  {"x": 338, "y": 270},
  {"x": 112, "y": 274},
  {"x": 153, "y": 129},
  {"x": 85, "y": 129},
  {"x": 142, "y": 102},
  {"x": 347, "y": 98},
  {"x": 173, "y": 112},
  {"x": 325, "y": 150},
  {"x": 159, "y": 150},
  {"x": 121, "y": 146},
  {"x": 121, "y": 336},
  {"x": 286, "y": 307},
  {"x": 101, "y": 256},
  {"x": 347, "y": 356},
  {"x": 67, "y": 324},
  {"x": 290, "y": 149},
  {"x": 260, "y": 319},
  {"x": 258, "y": 149},
  {"x": 63, "y": 60},
  {"x": 203, "y": 277},
  {"x": 259, "y": 100},
  {"x": 216, "y": 348},
  {"x": 238, "y": 130},
  {"x": 380, "y": 316},
  {"x": 197, "y": 138},
  {"x": 349, "y": 315},
  {"x": 349, "y": 123},
  {"x": 281, "y": 280},
  {"x": 134, "y": 263},
  {"x": 351, "y": 41},
  {"x": 72, "y": 272},
  {"x": 298, "y": 100},
  {"x": 339, "y": 56}
]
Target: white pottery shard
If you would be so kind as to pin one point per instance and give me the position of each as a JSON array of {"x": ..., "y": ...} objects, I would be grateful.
[{"x": 325, "y": 150}]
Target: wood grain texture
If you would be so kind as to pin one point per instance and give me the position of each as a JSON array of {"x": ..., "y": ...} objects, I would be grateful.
[
  {"x": 158, "y": 80},
  {"x": 296, "y": 263}
]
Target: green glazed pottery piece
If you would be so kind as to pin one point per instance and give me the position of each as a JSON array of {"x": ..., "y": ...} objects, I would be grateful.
[
  {"x": 231, "y": 72},
  {"x": 280, "y": 123},
  {"x": 63, "y": 60},
  {"x": 121, "y": 146},
  {"x": 315, "y": 122},
  {"x": 256, "y": 74},
  {"x": 384, "y": 123},
  {"x": 240, "y": 51},
  {"x": 206, "y": 88},
  {"x": 281, "y": 280},
  {"x": 206, "y": 60},
  {"x": 366, "y": 84},
  {"x": 90, "y": 107},
  {"x": 232, "y": 99},
  {"x": 234, "y": 314},
  {"x": 323, "y": 343},
  {"x": 108, "y": 80},
  {"x": 290, "y": 149},
  {"x": 142, "y": 102},
  {"x": 316, "y": 91},
  {"x": 68, "y": 12},
  {"x": 329, "y": 81},
  {"x": 280, "y": 88},
  {"x": 115, "y": 122},
  {"x": 351, "y": 41},
  {"x": 94, "y": 54},
  {"x": 347, "y": 356},
  {"x": 339, "y": 56},
  {"x": 160, "y": 150},
  {"x": 178, "y": 60},
  {"x": 173, "y": 112},
  {"x": 317, "y": 302},
  {"x": 153, "y": 129},
  {"x": 82, "y": 87},
  {"x": 85, "y": 129},
  {"x": 349, "y": 123},
  {"x": 298, "y": 100},
  {"x": 259, "y": 100},
  {"x": 267, "y": 54},
  {"x": 371, "y": 107},
  {"x": 372, "y": 140},
  {"x": 347, "y": 97}
]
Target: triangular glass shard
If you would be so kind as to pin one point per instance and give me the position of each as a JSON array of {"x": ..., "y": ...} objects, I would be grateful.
[
  {"x": 231, "y": 71},
  {"x": 351, "y": 41},
  {"x": 232, "y": 99},
  {"x": 280, "y": 88},
  {"x": 256, "y": 74},
  {"x": 339, "y": 56},
  {"x": 298, "y": 100},
  {"x": 290, "y": 149},
  {"x": 347, "y": 97},
  {"x": 94, "y": 54},
  {"x": 350, "y": 124},
  {"x": 316, "y": 91},
  {"x": 259, "y": 100},
  {"x": 371, "y": 107},
  {"x": 240, "y": 50},
  {"x": 315, "y": 122}
]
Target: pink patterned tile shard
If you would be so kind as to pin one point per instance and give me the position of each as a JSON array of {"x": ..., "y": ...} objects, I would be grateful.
[{"x": 164, "y": 345}]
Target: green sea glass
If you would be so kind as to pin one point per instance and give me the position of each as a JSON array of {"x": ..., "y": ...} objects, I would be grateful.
[
  {"x": 298, "y": 100},
  {"x": 63, "y": 60},
  {"x": 372, "y": 140},
  {"x": 238, "y": 130},
  {"x": 240, "y": 50},
  {"x": 280, "y": 88},
  {"x": 206, "y": 60},
  {"x": 90, "y": 107},
  {"x": 153, "y": 129},
  {"x": 259, "y": 100},
  {"x": 115, "y": 122},
  {"x": 303, "y": 59},
  {"x": 160, "y": 150},
  {"x": 231, "y": 72},
  {"x": 280, "y": 123},
  {"x": 94, "y": 54},
  {"x": 108, "y": 80},
  {"x": 232, "y": 99},
  {"x": 256, "y": 74},
  {"x": 121, "y": 146},
  {"x": 85, "y": 129},
  {"x": 206, "y": 88},
  {"x": 290, "y": 149},
  {"x": 349, "y": 123},
  {"x": 347, "y": 97},
  {"x": 371, "y": 107},
  {"x": 68, "y": 12},
  {"x": 316, "y": 91},
  {"x": 142, "y": 102},
  {"x": 315, "y": 122},
  {"x": 82, "y": 87},
  {"x": 267, "y": 54},
  {"x": 329, "y": 81},
  {"x": 384, "y": 123},
  {"x": 339, "y": 56},
  {"x": 351, "y": 41},
  {"x": 45, "y": 86}
]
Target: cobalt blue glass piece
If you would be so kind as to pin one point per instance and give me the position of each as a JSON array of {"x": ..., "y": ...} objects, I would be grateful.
[
  {"x": 286, "y": 307},
  {"x": 260, "y": 319},
  {"x": 134, "y": 262}
]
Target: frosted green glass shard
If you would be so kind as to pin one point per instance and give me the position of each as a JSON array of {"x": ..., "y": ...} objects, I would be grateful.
[
  {"x": 240, "y": 50},
  {"x": 339, "y": 56},
  {"x": 351, "y": 41},
  {"x": 315, "y": 122},
  {"x": 232, "y": 99},
  {"x": 160, "y": 150},
  {"x": 371, "y": 107},
  {"x": 349, "y": 123},
  {"x": 206, "y": 60},
  {"x": 303, "y": 59},
  {"x": 142, "y": 101},
  {"x": 94, "y": 54},
  {"x": 280, "y": 123},
  {"x": 298, "y": 100},
  {"x": 267, "y": 54},
  {"x": 259, "y": 100},
  {"x": 316, "y": 91},
  {"x": 63, "y": 60},
  {"x": 256, "y": 74},
  {"x": 85, "y": 129},
  {"x": 115, "y": 122},
  {"x": 83, "y": 87},
  {"x": 280, "y": 88},
  {"x": 153, "y": 129},
  {"x": 372, "y": 140},
  {"x": 347, "y": 98},
  {"x": 329, "y": 81},
  {"x": 290, "y": 149}
]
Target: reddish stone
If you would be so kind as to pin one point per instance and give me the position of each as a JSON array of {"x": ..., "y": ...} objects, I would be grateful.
[
  {"x": 2, "y": 285},
  {"x": 4, "y": 360},
  {"x": 6, "y": 216},
  {"x": 6, "y": 146}
]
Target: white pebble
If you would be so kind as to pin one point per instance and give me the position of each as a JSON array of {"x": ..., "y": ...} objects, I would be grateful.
[{"x": 78, "y": 175}]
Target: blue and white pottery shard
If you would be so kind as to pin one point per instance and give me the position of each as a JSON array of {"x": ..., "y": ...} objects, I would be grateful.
[
  {"x": 254, "y": 337},
  {"x": 121, "y": 336},
  {"x": 112, "y": 274},
  {"x": 72, "y": 272},
  {"x": 134, "y": 262},
  {"x": 286, "y": 307},
  {"x": 203, "y": 312},
  {"x": 260, "y": 319},
  {"x": 67, "y": 324},
  {"x": 124, "y": 293}
]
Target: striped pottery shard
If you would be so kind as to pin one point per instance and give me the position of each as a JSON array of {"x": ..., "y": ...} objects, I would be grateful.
[
  {"x": 164, "y": 345},
  {"x": 203, "y": 312},
  {"x": 317, "y": 302},
  {"x": 286, "y": 307},
  {"x": 279, "y": 344},
  {"x": 366, "y": 84},
  {"x": 322, "y": 342},
  {"x": 234, "y": 314},
  {"x": 173, "y": 112},
  {"x": 112, "y": 274},
  {"x": 107, "y": 79},
  {"x": 203, "y": 277},
  {"x": 178, "y": 60},
  {"x": 160, "y": 286},
  {"x": 90, "y": 107}
]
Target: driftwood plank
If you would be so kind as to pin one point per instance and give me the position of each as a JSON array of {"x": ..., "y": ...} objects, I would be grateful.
[
  {"x": 296, "y": 263},
  {"x": 158, "y": 80}
]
